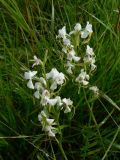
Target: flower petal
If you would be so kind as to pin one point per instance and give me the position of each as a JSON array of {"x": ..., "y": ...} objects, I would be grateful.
[{"x": 30, "y": 84}]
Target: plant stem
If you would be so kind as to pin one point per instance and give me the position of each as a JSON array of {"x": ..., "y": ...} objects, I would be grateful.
[{"x": 61, "y": 148}]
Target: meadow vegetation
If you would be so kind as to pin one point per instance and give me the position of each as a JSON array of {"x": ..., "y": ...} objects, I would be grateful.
[{"x": 29, "y": 28}]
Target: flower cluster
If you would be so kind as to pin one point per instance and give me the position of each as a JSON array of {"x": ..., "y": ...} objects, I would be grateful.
[
  {"x": 47, "y": 124},
  {"x": 89, "y": 58},
  {"x": 46, "y": 87},
  {"x": 70, "y": 46}
]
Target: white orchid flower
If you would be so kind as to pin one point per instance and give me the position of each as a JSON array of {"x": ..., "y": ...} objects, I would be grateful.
[
  {"x": 59, "y": 101},
  {"x": 50, "y": 130},
  {"x": 30, "y": 84},
  {"x": 66, "y": 42},
  {"x": 57, "y": 78},
  {"x": 29, "y": 76},
  {"x": 46, "y": 100},
  {"x": 41, "y": 115},
  {"x": 71, "y": 56},
  {"x": 67, "y": 103},
  {"x": 70, "y": 66},
  {"x": 50, "y": 121},
  {"x": 67, "y": 109},
  {"x": 45, "y": 97},
  {"x": 87, "y": 31},
  {"x": 90, "y": 58},
  {"x": 36, "y": 61},
  {"x": 83, "y": 78},
  {"x": 52, "y": 74},
  {"x": 62, "y": 33},
  {"x": 77, "y": 28},
  {"x": 51, "y": 133},
  {"x": 52, "y": 101},
  {"x": 95, "y": 90},
  {"x": 43, "y": 81},
  {"x": 93, "y": 67},
  {"x": 39, "y": 89},
  {"x": 47, "y": 124},
  {"x": 89, "y": 51},
  {"x": 37, "y": 94}
]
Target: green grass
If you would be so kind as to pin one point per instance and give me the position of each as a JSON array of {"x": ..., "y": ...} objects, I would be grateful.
[{"x": 29, "y": 28}]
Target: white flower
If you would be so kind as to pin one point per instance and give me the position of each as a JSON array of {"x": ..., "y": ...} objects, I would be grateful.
[
  {"x": 51, "y": 133},
  {"x": 59, "y": 101},
  {"x": 47, "y": 124},
  {"x": 30, "y": 84},
  {"x": 45, "y": 97},
  {"x": 89, "y": 51},
  {"x": 67, "y": 103},
  {"x": 87, "y": 31},
  {"x": 46, "y": 100},
  {"x": 52, "y": 102},
  {"x": 93, "y": 67},
  {"x": 37, "y": 94},
  {"x": 39, "y": 89},
  {"x": 38, "y": 86},
  {"x": 50, "y": 121},
  {"x": 57, "y": 78},
  {"x": 90, "y": 58},
  {"x": 77, "y": 27},
  {"x": 43, "y": 81},
  {"x": 36, "y": 60},
  {"x": 69, "y": 66},
  {"x": 64, "y": 49},
  {"x": 50, "y": 130},
  {"x": 71, "y": 56},
  {"x": 28, "y": 76},
  {"x": 66, "y": 42},
  {"x": 83, "y": 78},
  {"x": 41, "y": 115},
  {"x": 52, "y": 74},
  {"x": 89, "y": 27},
  {"x": 67, "y": 109},
  {"x": 84, "y": 34},
  {"x": 95, "y": 90},
  {"x": 62, "y": 33},
  {"x": 60, "y": 78},
  {"x": 53, "y": 86}
]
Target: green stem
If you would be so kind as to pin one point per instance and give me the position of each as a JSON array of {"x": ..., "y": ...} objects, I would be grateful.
[
  {"x": 61, "y": 148},
  {"x": 97, "y": 127}
]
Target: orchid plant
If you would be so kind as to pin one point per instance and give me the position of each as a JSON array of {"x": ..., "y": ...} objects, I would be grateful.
[{"x": 46, "y": 86}]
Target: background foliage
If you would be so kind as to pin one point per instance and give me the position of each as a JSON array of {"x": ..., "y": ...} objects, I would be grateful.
[{"x": 29, "y": 28}]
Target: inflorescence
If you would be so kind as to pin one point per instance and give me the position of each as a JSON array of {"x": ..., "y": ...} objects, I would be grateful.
[{"x": 46, "y": 87}]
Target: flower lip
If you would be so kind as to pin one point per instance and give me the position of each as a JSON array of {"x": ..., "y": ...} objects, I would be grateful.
[
  {"x": 77, "y": 27},
  {"x": 62, "y": 32},
  {"x": 56, "y": 77},
  {"x": 30, "y": 74},
  {"x": 87, "y": 31},
  {"x": 36, "y": 60}
]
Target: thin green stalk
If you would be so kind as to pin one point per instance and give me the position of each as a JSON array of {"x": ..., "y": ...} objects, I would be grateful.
[
  {"x": 61, "y": 148},
  {"x": 97, "y": 127},
  {"x": 114, "y": 138},
  {"x": 52, "y": 149}
]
